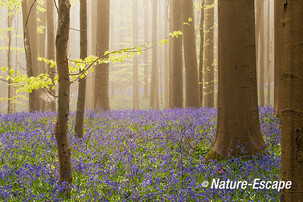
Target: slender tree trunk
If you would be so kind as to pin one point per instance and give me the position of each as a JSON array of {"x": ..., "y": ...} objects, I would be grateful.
[
  {"x": 102, "y": 70},
  {"x": 146, "y": 35},
  {"x": 238, "y": 129},
  {"x": 27, "y": 47},
  {"x": 268, "y": 66},
  {"x": 176, "y": 56},
  {"x": 135, "y": 59},
  {"x": 82, "y": 82},
  {"x": 201, "y": 51},
  {"x": 209, "y": 93},
  {"x": 292, "y": 99},
  {"x": 261, "y": 53},
  {"x": 154, "y": 89},
  {"x": 51, "y": 46},
  {"x": 277, "y": 58},
  {"x": 192, "y": 98},
  {"x": 41, "y": 53},
  {"x": 32, "y": 23},
  {"x": 9, "y": 63},
  {"x": 64, "y": 153},
  {"x": 166, "y": 56}
]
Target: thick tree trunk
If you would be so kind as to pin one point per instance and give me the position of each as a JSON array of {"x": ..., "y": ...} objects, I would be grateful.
[
  {"x": 201, "y": 51},
  {"x": 176, "y": 58},
  {"x": 292, "y": 98},
  {"x": 64, "y": 153},
  {"x": 209, "y": 89},
  {"x": 192, "y": 98},
  {"x": 277, "y": 58},
  {"x": 102, "y": 70},
  {"x": 82, "y": 82},
  {"x": 135, "y": 59},
  {"x": 28, "y": 57},
  {"x": 154, "y": 85},
  {"x": 51, "y": 46},
  {"x": 238, "y": 129}
]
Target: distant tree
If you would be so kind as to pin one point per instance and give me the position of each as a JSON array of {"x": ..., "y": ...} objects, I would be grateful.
[
  {"x": 135, "y": 59},
  {"x": 154, "y": 85},
  {"x": 9, "y": 60},
  {"x": 192, "y": 98},
  {"x": 166, "y": 56},
  {"x": 176, "y": 58},
  {"x": 64, "y": 153},
  {"x": 102, "y": 45},
  {"x": 277, "y": 57},
  {"x": 82, "y": 81},
  {"x": 238, "y": 129},
  {"x": 209, "y": 68},
  {"x": 51, "y": 45},
  {"x": 292, "y": 98}
]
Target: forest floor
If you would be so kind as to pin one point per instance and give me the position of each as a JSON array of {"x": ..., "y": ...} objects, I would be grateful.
[{"x": 132, "y": 156}]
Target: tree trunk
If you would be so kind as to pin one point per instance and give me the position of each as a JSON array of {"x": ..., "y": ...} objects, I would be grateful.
[
  {"x": 28, "y": 55},
  {"x": 176, "y": 59},
  {"x": 260, "y": 7},
  {"x": 9, "y": 63},
  {"x": 192, "y": 98},
  {"x": 32, "y": 23},
  {"x": 102, "y": 70},
  {"x": 135, "y": 59},
  {"x": 201, "y": 51},
  {"x": 209, "y": 89},
  {"x": 64, "y": 154},
  {"x": 154, "y": 85},
  {"x": 166, "y": 56},
  {"x": 146, "y": 35},
  {"x": 277, "y": 58},
  {"x": 82, "y": 82},
  {"x": 41, "y": 53},
  {"x": 51, "y": 46},
  {"x": 238, "y": 129},
  {"x": 292, "y": 98}
]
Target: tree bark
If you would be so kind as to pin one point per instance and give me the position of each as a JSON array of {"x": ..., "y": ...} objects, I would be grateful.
[
  {"x": 238, "y": 129},
  {"x": 64, "y": 153},
  {"x": 277, "y": 58},
  {"x": 82, "y": 82},
  {"x": 209, "y": 89},
  {"x": 102, "y": 70},
  {"x": 10, "y": 109},
  {"x": 51, "y": 46},
  {"x": 192, "y": 98},
  {"x": 292, "y": 98}
]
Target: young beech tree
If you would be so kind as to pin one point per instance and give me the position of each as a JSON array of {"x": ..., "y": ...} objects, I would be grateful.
[
  {"x": 292, "y": 98},
  {"x": 238, "y": 129},
  {"x": 277, "y": 58},
  {"x": 64, "y": 154}
]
